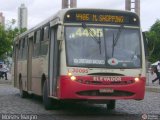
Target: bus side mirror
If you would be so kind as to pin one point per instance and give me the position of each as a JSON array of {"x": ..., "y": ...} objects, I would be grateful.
[
  {"x": 60, "y": 32},
  {"x": 145, "y": 44}
]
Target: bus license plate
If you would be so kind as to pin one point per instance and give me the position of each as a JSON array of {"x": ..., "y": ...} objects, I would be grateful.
[{"x": 106, "y": 90}]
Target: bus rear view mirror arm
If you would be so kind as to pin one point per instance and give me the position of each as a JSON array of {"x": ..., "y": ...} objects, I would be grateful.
[{"x": 60, "y": 33}]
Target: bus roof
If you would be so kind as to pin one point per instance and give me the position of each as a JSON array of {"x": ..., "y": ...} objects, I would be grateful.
[{"x": 61, "y": 14}]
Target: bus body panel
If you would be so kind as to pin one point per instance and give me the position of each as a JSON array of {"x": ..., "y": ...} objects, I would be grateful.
[{"x": 69, "y": 89}]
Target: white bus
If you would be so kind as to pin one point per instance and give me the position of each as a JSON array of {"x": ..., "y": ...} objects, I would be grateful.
[{"x": 82, "y": 55}]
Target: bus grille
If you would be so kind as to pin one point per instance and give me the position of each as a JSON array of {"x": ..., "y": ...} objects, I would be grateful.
[
  {"x": 116, "y": 93},
  {"x": 106, "y": 83}
]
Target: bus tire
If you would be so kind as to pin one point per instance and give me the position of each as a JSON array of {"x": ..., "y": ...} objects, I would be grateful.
[
  {"x": 23, "y": 94},
  {"x": 111, "y": 105},
  {"x": 47, "y": 102}
]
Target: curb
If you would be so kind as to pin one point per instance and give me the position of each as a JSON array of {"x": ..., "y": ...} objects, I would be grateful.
[
  {"x": 5, "y": 82},
  {"x": 153, "y": 89}
]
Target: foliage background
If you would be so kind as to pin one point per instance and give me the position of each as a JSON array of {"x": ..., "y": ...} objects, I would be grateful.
[
  {"x": 153, "y": 37},
  {"x": 7, "y": 34}
]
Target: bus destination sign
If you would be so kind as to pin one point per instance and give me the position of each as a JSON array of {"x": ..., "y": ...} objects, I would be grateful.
[{"x": 101, "y": 17}]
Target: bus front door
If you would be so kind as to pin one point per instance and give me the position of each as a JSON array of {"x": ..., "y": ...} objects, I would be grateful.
[{"x": 53, "y": 63}]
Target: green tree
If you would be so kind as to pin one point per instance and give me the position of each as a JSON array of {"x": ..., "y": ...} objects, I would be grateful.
[
  {"x": 5, "y": 42},
  {"x": 7, "y": 35},
  {"x": 153, "y": 37}
]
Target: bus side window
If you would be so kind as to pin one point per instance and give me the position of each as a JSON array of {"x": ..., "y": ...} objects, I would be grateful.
[
  {"x": 25, "y": 48},
  {"x": 35, "y": 34},
  {"x": 46, "y": 33},
  {"x": 22, "y": 42},
  {"x": 23, "y": 45},
  {"x": 36, "y": 48},
  {"x": 20, "y": 50},
  {"x": 44, "y": 40},
  {"x": 42, "y": 34},
  {"x": 38, "y": 36}
]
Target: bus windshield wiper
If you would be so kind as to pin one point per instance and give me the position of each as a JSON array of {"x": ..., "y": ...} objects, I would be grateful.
[
  {"x": 115, "y": 39},
  {"x": 92, "y": 35}
]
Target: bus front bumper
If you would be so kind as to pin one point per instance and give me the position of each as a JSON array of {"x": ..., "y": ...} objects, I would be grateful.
[{"x": 72, "y": 89}]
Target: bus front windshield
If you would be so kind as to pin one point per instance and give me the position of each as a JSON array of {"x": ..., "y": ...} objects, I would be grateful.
[{"x": 109, "y": 47}]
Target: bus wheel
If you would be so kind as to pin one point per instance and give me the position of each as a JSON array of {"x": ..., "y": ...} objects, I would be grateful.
[
  {"x": 47, "y": 102},
  {"x": 23, "y": 93},
  {"x": 111, "y": 105}
]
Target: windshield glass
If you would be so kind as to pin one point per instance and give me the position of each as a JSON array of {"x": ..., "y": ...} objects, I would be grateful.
[{"x": 103, "y": 47}]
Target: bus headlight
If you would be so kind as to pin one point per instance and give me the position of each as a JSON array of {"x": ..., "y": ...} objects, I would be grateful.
[
  {"x": 69, "y": 74},
  {"x": 68, "y": 16},
  {"x": 136, "y": 79},
  {"x": 73, "y": 78}
]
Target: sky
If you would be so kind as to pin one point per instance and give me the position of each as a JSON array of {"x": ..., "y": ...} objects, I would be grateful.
[{"x": 39, "y": 10}]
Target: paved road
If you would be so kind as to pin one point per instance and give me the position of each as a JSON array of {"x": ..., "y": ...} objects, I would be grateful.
[{"x": 11, "y": 103}]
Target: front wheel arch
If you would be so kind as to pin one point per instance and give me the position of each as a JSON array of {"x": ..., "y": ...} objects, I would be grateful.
[{"x": 47, "y": 102}]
